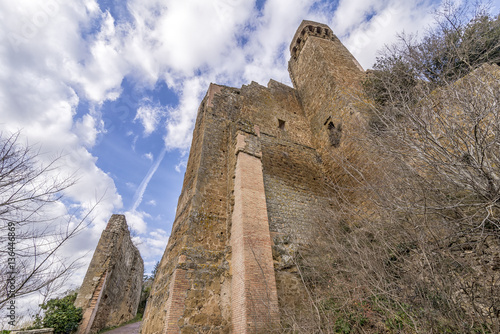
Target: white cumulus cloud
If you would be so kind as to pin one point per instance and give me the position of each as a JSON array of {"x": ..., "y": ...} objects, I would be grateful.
[{"x": 149, "y": 115}]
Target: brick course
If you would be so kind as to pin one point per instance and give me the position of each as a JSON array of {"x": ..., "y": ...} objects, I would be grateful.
[{"x": 254, "y": 300}]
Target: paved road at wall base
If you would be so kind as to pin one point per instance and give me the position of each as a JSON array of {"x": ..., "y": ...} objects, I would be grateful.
[{"x": 128, "y": 329}]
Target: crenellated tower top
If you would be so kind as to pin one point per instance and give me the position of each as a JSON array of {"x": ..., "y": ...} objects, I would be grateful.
[{"x": 306, "y": 29}]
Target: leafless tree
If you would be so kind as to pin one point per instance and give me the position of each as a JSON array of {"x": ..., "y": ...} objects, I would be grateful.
[{"x": 33, "y": 227}]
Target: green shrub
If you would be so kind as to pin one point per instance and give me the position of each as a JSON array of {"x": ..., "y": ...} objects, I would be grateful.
[{"x": 60, "y": 314}]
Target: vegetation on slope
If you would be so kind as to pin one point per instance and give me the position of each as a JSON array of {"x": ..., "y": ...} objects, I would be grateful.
[{"x": 414, "y": 247}]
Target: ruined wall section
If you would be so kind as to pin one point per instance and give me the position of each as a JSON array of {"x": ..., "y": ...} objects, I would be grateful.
[
  {"x": 111, "y": 289},
  {"x": 191, "y": 291}
]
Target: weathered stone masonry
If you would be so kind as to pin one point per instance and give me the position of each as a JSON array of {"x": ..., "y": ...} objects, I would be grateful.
[
  {"x": 256, "y": 181},
  {"x": 112, "y": 286}
]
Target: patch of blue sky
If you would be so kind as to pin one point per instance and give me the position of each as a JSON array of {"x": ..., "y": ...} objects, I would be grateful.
[
  {"x": 127, "y": 155},
  {"x": 117, "y": 8},
  {"x": 121, "y": 163},
  {"x": 282, "y": 54},
  {"x": 200, "y": 71},
  {"x": 91, "y": 27},
  {"x": 164, "y": 95},
  {"x": 163, "y": 190},
  {"x": 82, "y": 108},
  {"x": 259, "y": 4},
  {"x": 119, "y": 114},
  {"x": 241, "y": 40},
  {"x": 369, "y": 15},
  {"x": 121, "y": 148},
  {"x": 325, "y": 6}
]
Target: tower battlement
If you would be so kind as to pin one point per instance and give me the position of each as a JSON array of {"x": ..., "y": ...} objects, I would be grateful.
[{"x": 306, "y": 29}]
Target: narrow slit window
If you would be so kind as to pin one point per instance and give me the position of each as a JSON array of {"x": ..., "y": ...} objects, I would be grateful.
[{"x": 281, "y": 124}]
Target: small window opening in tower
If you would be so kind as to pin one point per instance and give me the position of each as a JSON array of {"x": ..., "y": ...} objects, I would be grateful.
[
  {"x": 318, "y": 30},
  {"x": 281, "y": 124},
  {"x": 334, "y": 134}
]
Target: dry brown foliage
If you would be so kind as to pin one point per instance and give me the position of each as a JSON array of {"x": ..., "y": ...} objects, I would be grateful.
[{"x": 413, "y": 245}]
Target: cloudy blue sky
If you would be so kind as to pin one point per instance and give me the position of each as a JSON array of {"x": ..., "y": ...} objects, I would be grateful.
[{"x": 114, "y": 86}]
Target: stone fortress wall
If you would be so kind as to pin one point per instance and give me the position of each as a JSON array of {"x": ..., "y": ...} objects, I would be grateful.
[{"x": 257, "y": 179}]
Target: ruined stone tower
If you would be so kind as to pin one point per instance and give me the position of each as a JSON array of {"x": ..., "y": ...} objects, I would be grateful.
[
  {"x": 254, "y": 186},
  {"x": 111, "y": 288}
]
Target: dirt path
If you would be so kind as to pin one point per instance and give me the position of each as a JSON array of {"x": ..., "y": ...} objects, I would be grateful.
[{"x": 127, "y": 329}]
